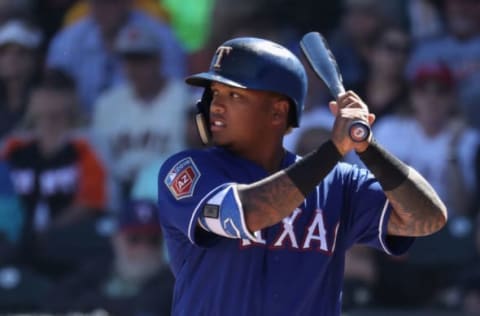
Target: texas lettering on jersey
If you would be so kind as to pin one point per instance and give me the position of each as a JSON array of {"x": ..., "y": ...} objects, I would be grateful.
[{"x": 314, "y": 238}]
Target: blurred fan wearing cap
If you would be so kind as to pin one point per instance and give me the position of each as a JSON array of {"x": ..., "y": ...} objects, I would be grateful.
[
  {"x": 85, "y": 49},
  {"x": 142, "y": 119},
  {"x": 138, "y": 242},
  {"x": 18, "y": 32},
  {"x": 433, "y": 73},
  {"x": 136, "y": 39},
  {"x": 433, "y": 96},
  {"x": 133, "y": 281},
  {"x": 139, "y": 51},
  {"x": 19, "y": 70}
]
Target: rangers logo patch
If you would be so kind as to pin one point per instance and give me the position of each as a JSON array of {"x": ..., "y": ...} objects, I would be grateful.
[{"x": 182, "y": 178}]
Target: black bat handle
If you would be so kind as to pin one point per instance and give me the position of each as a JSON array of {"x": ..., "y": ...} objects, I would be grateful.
[{"x": 359, "y": 131}]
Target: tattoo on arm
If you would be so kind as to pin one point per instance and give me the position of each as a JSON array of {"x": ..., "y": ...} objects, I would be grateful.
[
  {"x": 418, "y": 211},
  {"x": 268, "y": 201}
]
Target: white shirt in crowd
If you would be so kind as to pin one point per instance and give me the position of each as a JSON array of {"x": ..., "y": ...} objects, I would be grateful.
[
  {"x": 405, "y": 138},
  {"x": 133, "y": 133}
]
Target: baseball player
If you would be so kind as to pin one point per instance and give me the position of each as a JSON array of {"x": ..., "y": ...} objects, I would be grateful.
[{"x": 252, "y": 229}]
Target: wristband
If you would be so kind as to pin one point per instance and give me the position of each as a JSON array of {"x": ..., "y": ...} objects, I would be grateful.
[
  {"x": 307, "y": 173},
  {"x": 388, "y": 169}
]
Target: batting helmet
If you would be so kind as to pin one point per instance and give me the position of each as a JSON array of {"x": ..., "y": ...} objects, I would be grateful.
[{"x": 258, "y": 64}]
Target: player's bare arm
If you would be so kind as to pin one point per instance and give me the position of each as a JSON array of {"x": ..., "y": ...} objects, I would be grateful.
[
  {"x": 268, "y": 201},
  {"x": 418, "y": 211}
]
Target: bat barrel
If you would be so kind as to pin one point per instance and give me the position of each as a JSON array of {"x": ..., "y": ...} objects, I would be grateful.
[{"x": 321, "y": 59}]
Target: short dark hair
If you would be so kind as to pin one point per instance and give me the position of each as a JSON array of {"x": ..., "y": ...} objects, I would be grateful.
[{"x": 58, "y": 81}]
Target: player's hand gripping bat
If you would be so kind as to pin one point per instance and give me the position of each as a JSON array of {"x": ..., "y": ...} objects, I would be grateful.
[{"x": 320, "y": 57}]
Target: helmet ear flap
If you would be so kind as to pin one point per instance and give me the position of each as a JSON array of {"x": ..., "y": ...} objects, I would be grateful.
[{"x": 202, "y": 118}]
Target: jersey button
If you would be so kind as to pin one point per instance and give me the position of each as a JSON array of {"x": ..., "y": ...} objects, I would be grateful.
[
  {"x": 276, "y": 258},
  {"x": 275, "y": 296}
]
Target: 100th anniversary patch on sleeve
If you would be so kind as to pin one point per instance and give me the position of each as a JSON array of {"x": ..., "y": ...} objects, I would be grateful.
[{"x": 182, "y": 178}]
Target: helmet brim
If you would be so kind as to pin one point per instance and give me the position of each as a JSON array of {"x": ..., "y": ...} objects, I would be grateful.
[{"x": 204, "y": 79}]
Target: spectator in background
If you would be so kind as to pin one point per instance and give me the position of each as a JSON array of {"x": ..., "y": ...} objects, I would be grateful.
[
  {"x": 11, "y": 9},
  {"x": 351, "y": 42},
  {"x": 11, "y": 213},
  {"x": 424, "y": 19},
  {"x": 143, "y": 119},
  {"x": 21, "y": 289},
  {"x": 435, "y": 140},
  {"x": 55, "y": 172},
  {"x": 135, "y": 281},
  {"x": 384, "y": 87},
  {"x": 435, "y": 123},
  {"x": 85, "y": 50},
  {"x": 49, "y": 16},
  {"x": 459, "y": 48},
  {"x": 19, "y": 69},
  {"x": 81, "y": 8},
  {"x": 145, "y": 185}
]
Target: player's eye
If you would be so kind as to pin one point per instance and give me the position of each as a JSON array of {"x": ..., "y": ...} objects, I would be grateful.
[{"x": 234, "y": 95}]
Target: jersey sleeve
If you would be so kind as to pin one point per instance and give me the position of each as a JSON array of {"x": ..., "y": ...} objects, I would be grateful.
[
  {"x": 368, "y": 212},
  {"x": 185, "y": 182}
]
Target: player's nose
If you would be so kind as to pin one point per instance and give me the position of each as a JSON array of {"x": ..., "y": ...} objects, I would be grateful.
[{"x": 216, "y": 107}]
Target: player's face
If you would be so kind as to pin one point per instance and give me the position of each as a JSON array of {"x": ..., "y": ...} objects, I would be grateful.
[{"x": 240, "y": 118}]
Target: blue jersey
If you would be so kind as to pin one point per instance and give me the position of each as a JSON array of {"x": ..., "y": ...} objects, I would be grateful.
[{"x": 294, "y": 267}]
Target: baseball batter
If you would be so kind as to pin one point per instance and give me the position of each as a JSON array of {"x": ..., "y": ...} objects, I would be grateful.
[{"x": 252, "y": 229}]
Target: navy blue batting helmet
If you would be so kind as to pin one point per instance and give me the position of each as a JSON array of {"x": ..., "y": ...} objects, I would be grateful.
[{"x": 258, "y": 64}]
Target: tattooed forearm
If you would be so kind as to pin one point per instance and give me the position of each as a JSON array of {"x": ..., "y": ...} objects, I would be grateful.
[
  {"x": 418, "y": 211},
  {"x": 268, "y": 201}
]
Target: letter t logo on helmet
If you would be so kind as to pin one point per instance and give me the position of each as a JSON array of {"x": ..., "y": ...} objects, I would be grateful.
[{"x": 221, "y": 51}]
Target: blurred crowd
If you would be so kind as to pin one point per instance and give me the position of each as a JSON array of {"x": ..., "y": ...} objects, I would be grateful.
[{"x": 92, "y": 100}]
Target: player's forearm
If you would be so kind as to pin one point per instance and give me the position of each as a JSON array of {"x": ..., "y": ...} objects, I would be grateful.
[
  {"x": 268, "y": 201},
  {"x": 418, "y": 211}
]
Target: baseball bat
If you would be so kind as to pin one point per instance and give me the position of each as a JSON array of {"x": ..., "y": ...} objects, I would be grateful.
[{"x": 323, "y": 62}]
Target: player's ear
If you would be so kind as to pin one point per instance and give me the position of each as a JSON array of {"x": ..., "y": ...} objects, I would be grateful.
[{"x": 280, "y": 111}]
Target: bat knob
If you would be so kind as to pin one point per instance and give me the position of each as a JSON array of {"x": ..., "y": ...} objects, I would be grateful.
[{"x": 359, "y": 131}]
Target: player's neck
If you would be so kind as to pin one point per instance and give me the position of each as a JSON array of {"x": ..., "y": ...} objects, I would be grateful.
[{"x": 269, "y": 159}]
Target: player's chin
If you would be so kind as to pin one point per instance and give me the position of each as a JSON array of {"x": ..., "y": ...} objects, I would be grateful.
[
  {"x": 219, "y": 140},
  {"x": 224, "y": 142},
  {"x": 220, "y": 135}
]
